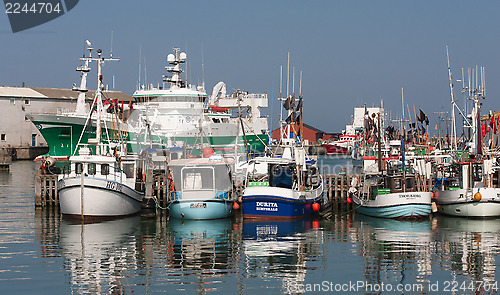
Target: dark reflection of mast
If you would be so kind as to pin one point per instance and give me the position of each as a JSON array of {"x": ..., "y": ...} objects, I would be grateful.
[
  {"x": 395, "y": 251},
  {"x": 470, "y": 245},
  {"x": 97, "y": 255},
  {"x": 278, "y": 249}
]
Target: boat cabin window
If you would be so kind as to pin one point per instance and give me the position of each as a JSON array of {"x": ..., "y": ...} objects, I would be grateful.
[
  {"x": 312, "y": 176},
  {"x": 197, "y": 178},
  {"x": 104, "y": 169},
  {"x": 478, "y": 172},
  {"x": 396, "y": 184},
  {"x": 91, "y": 168},
  {"x": 78, "y": 168},
  {"x": 128, "y": 169},
  {"x": 410, "y": 183},
  {"x": 281, "y": 176},
  {"x": 173, "y": 98}
]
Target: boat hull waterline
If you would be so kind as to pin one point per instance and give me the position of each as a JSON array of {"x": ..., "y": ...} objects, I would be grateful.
[
  {"x": 461, "y": 203},
  {"x": 396, "y": 205},
  {"x": 279, "y": 203},
  {"x": 201, "y": 209},
  {"x": 102, "y": 198}
]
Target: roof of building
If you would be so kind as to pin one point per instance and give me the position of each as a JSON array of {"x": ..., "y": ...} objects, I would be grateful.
[
  {"x": 19, "y": 92},
  {"x": 57, "y": 93},
  {"x": 313, "y": 128},
  {"x": 308, "y": 127}
]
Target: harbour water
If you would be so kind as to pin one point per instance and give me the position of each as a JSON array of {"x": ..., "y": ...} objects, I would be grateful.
[{"x": 42, "y": 253}]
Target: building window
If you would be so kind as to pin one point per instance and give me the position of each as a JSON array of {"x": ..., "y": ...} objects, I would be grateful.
[
  {"x": 27, "y": 102},
  {"x": 12, "y": 101},
  {"x": 33, "y": 139},
  {"x": 2, "y": 137}
]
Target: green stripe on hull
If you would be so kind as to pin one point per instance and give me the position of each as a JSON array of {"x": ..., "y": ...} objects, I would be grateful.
[{"x": 63, "y": 138}]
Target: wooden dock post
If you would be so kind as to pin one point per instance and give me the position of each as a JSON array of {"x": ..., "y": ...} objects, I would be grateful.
[
  {"x": 38, "y": 189},
  {"x": 46, "y": 190},
  {"x": 338, "y": 190}
]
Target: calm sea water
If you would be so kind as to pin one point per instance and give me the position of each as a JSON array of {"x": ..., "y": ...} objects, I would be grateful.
[{"x": 40, "y": 253}]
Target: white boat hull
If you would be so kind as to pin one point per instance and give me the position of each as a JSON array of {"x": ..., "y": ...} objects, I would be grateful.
[
  {"x": 461, "y": 202},
  {"x": 102, "y": 198},
  {"x": 395, "y": 205}
]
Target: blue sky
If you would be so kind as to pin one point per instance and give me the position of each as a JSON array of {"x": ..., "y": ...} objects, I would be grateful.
[{"x": 350, "y": 52}]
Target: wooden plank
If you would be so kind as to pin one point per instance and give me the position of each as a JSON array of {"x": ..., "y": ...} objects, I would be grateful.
[
  {"x": 342, "y": 186},
  {"x": 338, "y": 182},
  {"x": 56, "y": 195},
  {"x": 49, "y": 180},
  {"x": 38, "y": 189}
]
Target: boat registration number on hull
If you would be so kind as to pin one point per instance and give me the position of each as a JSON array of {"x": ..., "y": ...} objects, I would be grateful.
[
  {"x": 114, "y": 186},
  {"x": 198, "y": 205}
]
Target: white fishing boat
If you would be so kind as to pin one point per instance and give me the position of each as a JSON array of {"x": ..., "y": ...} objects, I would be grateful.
[
  {"x": 470, "y": 186},
  {"x": 470, "y": 189},
  {"x": 201, "y": 188},
  {"x": 391, "y": 197},
  {"x": 389, "y": 189},
  {"x": 100, "y": 183}
]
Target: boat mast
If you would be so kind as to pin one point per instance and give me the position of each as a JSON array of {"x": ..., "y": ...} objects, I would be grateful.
[
  {"x": 287, "y": 87},
  {"x": 281, "y": 99},
  {"x": 403, "y": 114},
  {"x": 453, "y": 104},
  {"x": 98, "y": 101},
  {"x": 175, "y": 60},
  {"x": 301, "y": 127},
  {"x": 80, "y": 103}
]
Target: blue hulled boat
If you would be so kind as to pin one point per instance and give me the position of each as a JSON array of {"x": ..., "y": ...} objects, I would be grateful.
[
  {"x": 286, "y": 187},
  {"x": 201, "y": 188}
]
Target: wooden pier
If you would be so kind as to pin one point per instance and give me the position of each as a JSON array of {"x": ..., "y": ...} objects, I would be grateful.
[
  {"x": 46, "y": 189},
  {"x": 5, "y": 158},
  {"x": 336, "y": 190},
  {"x": 156, "y": 188}
]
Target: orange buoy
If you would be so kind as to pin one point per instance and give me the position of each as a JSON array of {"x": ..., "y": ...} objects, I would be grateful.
[
  {"x": 236, "y": 206},
  {"x": 316, "y": 206},
  {"x": 349, "y": 200},
  {"x": 477, "y": 196},
  {"x": 207, "y": 152},
  {"x": 432, "y": 195}
]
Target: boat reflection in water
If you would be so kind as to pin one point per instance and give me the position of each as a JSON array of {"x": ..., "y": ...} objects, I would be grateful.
[
  {"x": 470, "y": 246},
  {"x": 279, "y": 250},
  {"x": 98, "y": 255},
  {"x": 203, "y": 251},
  {"x": 395, "y": 251}
]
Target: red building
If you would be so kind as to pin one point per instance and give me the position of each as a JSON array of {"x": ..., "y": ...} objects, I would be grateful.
[{"x": 311, "y": 133}]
